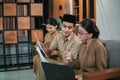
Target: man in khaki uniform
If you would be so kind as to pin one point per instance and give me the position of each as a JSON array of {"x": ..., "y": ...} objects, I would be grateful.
[{"x": 65, "y": 42}]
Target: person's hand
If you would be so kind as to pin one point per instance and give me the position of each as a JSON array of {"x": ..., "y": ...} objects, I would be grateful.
[
  {"x": 47, "y": 45},
  {"x": 66, "y": 56},
  {"x": 38, "y": 44},
  {"x": 78, "y": 77}
]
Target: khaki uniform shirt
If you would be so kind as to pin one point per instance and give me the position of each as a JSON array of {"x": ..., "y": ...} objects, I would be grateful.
[
  {"x": 70, "y": 44},
  {"x": 91, "y": 58},
  {"x": 49, "y": 37}
]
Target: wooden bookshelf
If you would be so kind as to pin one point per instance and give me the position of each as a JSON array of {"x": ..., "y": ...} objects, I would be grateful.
[
  {"x": 84, "y": 9},
  {"x": 76, "y": 9},
  {"x": 19, "y": 21}
]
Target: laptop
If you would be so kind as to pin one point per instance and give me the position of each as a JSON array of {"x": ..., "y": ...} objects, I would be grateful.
[{"x": 58, "y": 72}]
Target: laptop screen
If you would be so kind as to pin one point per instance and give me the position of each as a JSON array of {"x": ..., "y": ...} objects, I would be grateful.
[{"x": 58, "y": 72}]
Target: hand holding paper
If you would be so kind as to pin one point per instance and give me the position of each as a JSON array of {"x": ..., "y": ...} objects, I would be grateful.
[{"x": 38, "y": 49}]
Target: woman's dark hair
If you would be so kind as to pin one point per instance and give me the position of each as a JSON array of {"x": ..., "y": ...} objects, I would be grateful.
[
  {"x": 90, "y": 27},
  {"x": 52, "y": 21}
]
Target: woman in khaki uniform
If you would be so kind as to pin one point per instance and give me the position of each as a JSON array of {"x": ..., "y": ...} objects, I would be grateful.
[
  {"x": 92, "y": 55},
  {"x": 51, "y": 27}
]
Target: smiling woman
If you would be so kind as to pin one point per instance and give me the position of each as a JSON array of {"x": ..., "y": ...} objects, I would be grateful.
[
  {"x": 51, "y": 27},
  {"x": 92, "y": 55}
]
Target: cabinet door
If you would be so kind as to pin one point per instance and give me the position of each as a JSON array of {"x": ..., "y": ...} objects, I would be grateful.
[
  {"x": 84, "y": 9},
  {"x": 60, "y": 7}
]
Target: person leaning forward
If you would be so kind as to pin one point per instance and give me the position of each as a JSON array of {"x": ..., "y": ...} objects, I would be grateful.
[
  {"x": 51, "y": 27},
  {"x": 66, "y": 42},
  {"x": 92, "y": 55}
]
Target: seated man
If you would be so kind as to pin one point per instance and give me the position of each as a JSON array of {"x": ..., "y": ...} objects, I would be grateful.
[{"x": 65, "y": 42}]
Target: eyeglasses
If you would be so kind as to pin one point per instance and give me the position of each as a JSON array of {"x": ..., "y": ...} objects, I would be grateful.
[{"x": 81, "y": 33}]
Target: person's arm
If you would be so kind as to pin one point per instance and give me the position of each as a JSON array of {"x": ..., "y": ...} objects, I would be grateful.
[
  {"x": 101, "y": 58},
  {"x": 46, "y": 38},
  {"x": 72, "y": 57},
  {"x": 52, "y": 46}
]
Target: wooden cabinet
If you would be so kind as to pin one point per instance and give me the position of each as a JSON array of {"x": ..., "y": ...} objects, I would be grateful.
[
  {"x": 60, "y": 7},
  {"x": 84, "y": 9},
  {"x": 81, "y": 8}
]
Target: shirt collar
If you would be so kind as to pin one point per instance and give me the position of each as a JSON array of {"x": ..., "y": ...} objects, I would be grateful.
[
  {"x": 54, "y": 33},
  {"x": 69, "y": 37}
]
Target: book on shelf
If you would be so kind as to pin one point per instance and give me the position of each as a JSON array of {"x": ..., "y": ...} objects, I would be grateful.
[
  {"x": 0, "y": 10},
  {"x": 9, "y": 23},
  {"x": 23, "y": 10},
  {"x": 36, "y": 22},
  {"x": 32, "y": 23},
  {"x": 22, "y": 32},
  {"x": 36, "y": 1},
  {"x": 23, "y": 0},
  {"x": 9, "y": 0}
]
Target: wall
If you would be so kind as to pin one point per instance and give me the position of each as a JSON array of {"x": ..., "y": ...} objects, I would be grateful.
[{"x": 108, "y": 18}]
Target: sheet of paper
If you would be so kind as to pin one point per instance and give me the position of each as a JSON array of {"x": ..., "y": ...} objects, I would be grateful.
[{"x": 43, "y": 59}]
